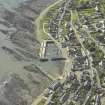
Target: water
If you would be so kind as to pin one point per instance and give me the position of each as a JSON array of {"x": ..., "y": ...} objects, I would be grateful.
[
  {"x": 7, "y": 62},
  {"x": 9, "y": 4}
]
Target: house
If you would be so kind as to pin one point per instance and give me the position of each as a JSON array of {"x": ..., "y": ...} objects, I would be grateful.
[
  {"x": 54, "y": 85},
  {"x": 64, "y": 98}
]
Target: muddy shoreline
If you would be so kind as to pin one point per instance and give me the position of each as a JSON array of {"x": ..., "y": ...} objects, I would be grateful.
[{"x": 21, "y": 79}]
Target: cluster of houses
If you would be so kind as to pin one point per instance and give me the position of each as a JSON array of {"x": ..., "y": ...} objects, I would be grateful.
[
  {"x": 54, "y": 28},
  {"x": 95, "y": 23},
  {"x": 75, "y": 90},
  {"x": 72, "y": 90},
  {"x": 59, "y": 93},
  {"x": 76, "y": 52},
  {"x": 95, "y": 26}
]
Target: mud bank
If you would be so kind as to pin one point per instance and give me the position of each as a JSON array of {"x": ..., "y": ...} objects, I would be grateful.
[{"x": 21, "y": 78}]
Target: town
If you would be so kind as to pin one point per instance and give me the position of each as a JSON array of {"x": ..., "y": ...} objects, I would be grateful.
[{"x": 77, "y": 29}]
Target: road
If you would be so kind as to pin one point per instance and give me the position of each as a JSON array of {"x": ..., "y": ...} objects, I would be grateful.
[
  {"x": 92, "y": 68},
  {"x": 38, "y": 99},
  {"x": 87, "y": 97},
  {"x": 62, "y": 15},
  {"x": 41, "y": 16},
  {"x": 60, "y": 47},
  {"x": 98, "y": 79},
  {"x": 84, "y": 49}
]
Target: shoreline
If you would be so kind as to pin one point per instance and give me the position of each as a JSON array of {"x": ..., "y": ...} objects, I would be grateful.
[{"x": 19, "y": 47}]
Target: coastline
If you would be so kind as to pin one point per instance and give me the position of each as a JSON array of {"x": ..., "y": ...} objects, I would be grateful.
[{"x": 18, "y": 51}]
